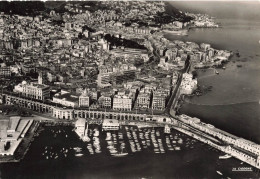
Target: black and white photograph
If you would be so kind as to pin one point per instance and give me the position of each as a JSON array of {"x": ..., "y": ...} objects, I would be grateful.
[{"x": 122, "y": 89}]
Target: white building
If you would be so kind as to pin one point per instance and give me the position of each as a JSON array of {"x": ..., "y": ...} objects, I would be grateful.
[
  {"x": 110, "y": 124},
  {"x": 188, "y": 85},
  {"x": 80, "y": 126},
  {"x": 122, "y": 102},
  {"x": 84, "y": 101},
  {"x": 67, "y": 99},
  {"x": 33, "y": 90}
]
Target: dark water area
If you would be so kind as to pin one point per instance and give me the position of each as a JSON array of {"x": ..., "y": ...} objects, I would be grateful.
[
  {"x": 198, "y": 160},
  {"x": 233, "y": 104}
]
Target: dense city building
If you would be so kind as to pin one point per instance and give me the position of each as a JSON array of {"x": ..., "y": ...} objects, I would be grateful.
[
  {"x": 33, "y": 90},
  {"x": 123, "y": 101}
]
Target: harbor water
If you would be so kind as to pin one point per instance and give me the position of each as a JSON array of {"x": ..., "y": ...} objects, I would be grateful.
[{"x": 54, "y": 154}]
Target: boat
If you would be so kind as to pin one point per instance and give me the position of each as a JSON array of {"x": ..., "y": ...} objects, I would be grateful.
[
  {"x": 76, "y": 148},
  {"x": 180, "y": 141},
  {"x": 113, "y": 151},
  {"x": 177, "y": 148},
  {"x": 121, "y": 154},
  {"x": 225, "y": 156},
  {"x": 224, "y": 68},
  {"x": 219, "y": 172},
  {"x": 79, "y": 155}
]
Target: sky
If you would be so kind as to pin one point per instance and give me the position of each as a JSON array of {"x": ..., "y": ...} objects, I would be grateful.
[{"x": 247, "y": 10}]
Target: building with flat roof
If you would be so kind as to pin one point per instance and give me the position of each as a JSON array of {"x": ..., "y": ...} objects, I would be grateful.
[
  {"x": 122, "y": 102},
  {"x": 12, "y": 132},
  {"x": 5, "y": 71},
  {"x": 188, "y": 85},
  {"x": 13, "y": 123},
  {"x": 33, "y": 90},
  {"x": 110, "y": 124},
  {"x": 159, "y": 101},
  {"x": 84, "y": 100},
  {"x": 143, "y": 100},
  {"x": 105, "y": 101},
  {"x": 67, "y": 99}
]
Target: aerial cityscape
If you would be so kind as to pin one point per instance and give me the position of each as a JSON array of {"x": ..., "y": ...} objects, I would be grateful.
[{"x": 129, "y": 89}]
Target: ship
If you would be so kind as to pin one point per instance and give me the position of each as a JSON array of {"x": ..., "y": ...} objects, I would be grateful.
[
  {"x": 79, "y": 155},
  {"x": 219, "y": 173},
  {"x": 225, "y": 156}
]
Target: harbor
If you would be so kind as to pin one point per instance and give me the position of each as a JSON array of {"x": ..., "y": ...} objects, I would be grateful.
[
  {"x": 126, "y": 139},
  {"x": 59, "y": 144}
]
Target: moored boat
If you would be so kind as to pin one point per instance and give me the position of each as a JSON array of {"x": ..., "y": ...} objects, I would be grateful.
[
  {"x": 225, "y": 156},
  {"x": 219, "y": 172},
  {"x": 79, "y": 155}
]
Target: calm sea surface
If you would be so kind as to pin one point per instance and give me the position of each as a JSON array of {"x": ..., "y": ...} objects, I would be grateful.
[{"x": 232, "y": 105}]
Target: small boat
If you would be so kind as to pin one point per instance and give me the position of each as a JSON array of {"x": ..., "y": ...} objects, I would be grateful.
[
  {"x": 177, "y": 148},
  {"x": 225, "y": 156},
  {"x": 79, "y": 155},
  {"x": 224, "y": 68},
  {"x": 113, "y": 151},
  {"x": 219, "y": 172}
]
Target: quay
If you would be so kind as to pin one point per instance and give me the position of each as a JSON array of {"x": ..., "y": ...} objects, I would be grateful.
[
  {"x": 16, "y": 136},
  {"x": 239, "y": 148}
]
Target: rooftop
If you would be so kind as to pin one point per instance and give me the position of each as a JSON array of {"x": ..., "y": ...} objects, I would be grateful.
[
  {"x": 110, "y": 121},
  {"x": 68, "y": 96}
]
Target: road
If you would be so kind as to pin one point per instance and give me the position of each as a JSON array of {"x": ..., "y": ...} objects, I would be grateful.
[{"x": 175, "y": 95}]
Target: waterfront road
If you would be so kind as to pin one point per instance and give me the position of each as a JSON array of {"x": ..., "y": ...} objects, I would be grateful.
[{"x": 175, "y": 94}]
